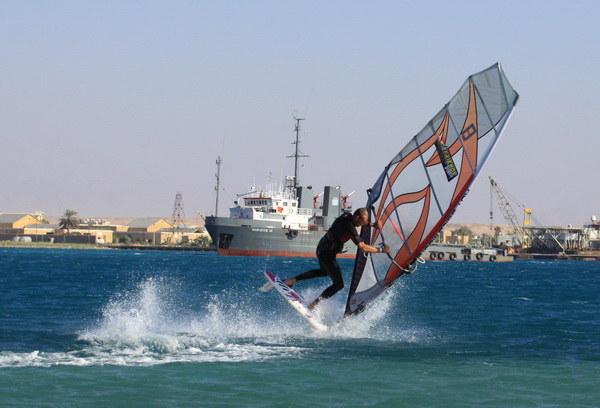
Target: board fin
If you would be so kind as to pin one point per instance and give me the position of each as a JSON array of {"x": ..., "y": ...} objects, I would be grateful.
[
  {"x": 266, "y": 287},
  {"x": 294, "y": 299}
]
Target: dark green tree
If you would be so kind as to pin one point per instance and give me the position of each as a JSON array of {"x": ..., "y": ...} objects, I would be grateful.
[{"x": 463, "y": 231}]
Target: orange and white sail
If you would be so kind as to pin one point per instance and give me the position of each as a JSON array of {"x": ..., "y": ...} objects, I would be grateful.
[{"x": 422, "y": 185}]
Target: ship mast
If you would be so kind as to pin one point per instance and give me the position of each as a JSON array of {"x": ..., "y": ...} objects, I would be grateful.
[
  {"x": 297, "y": 154},
  {"x": 218, "y": 186}
]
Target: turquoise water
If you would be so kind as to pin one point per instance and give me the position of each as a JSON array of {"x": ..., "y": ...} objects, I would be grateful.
[{"x": 100, "y": 328}]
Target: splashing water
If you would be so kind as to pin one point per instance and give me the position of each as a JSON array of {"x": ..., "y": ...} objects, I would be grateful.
[
  {"x": 147, "y": 327},
  {"x": 151, "y": 325}
]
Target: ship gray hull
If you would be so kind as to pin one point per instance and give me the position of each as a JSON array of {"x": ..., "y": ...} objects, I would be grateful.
[{"x": 247, "y": 237}]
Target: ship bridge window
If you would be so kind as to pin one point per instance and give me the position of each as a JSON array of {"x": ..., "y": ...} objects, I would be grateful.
[{"x": 257, "y": 203}]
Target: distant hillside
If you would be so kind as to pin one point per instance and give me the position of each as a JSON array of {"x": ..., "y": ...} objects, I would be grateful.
[
  {"x": 124, "y": 221},
  {"x": 480, "y": 229}
]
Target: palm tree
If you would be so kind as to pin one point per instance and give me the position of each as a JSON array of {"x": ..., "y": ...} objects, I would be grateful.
[
  {"x": 497, "y": 231},
  {"x": 69, "y": 221}
]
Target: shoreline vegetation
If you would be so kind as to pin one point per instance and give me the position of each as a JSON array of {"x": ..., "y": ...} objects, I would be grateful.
[
  {"x": 12, "y": 244},
  {"x": 60, "y": 245}
]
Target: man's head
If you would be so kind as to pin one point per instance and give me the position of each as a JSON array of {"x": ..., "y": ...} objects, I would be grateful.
[{"x": 360, "y": 217}]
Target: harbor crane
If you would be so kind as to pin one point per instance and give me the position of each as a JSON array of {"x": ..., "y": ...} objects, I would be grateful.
[
  {"x": 530, "y": 236},
  {"x": 509, "y": 215}
]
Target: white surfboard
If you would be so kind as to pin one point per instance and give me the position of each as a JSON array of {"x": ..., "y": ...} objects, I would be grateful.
[{"x": 293, "y": 299}]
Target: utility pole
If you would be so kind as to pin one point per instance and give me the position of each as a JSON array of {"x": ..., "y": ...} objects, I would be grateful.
[
  {"x": 297, "y": 154},
  {"x": 218, "y": 186}
]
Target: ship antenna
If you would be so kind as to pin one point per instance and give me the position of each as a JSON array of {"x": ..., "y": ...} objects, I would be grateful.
[{"x": 297, "y": 154}]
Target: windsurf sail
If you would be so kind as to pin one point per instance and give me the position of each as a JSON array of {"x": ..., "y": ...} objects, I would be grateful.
[{"x": 421, "y": 187}]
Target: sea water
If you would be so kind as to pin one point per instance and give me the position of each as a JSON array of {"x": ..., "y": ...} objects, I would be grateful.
[{"x": 108, "y": 328}]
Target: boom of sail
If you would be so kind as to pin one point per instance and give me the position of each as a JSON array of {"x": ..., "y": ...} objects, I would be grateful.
[{"x": 421, "y": 187}]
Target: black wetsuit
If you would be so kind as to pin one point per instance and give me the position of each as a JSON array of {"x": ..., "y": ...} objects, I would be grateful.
[{"x": 332, "y": 243}]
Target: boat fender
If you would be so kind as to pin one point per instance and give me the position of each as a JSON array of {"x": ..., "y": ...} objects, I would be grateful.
[
  {"x": 452, "y": 256},
  {"x": 440, "y": 255},
  {"x": 492, "y": 258},
  {"x": 467, "y": 257},
  {"x": 293, "y": 233},
  {"x": 479, "y": 256},
  {"x": 432, "y": 255}
]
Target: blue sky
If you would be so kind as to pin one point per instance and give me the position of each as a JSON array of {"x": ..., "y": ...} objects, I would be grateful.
[{"x": 110, "y": 108}]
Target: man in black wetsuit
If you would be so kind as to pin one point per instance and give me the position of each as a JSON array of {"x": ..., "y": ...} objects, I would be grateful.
[{"x": 332, "y": 243}]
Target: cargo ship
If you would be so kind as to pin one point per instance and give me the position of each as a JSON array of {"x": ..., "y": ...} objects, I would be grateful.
[
  {"x": 285, "y": 221},
  {"x": 282, "y": 220}
]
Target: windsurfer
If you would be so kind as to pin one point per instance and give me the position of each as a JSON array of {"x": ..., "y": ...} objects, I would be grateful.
[{"x": 332, "y": 243}]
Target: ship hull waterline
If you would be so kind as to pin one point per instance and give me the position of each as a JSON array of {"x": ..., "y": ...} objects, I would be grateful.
[{"x": 257, "y": 239}]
